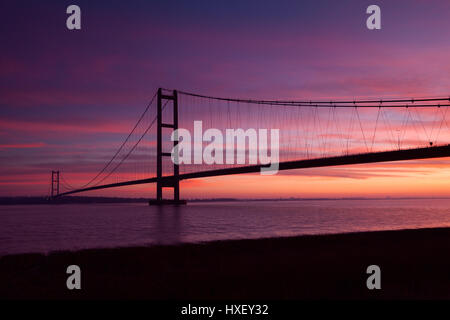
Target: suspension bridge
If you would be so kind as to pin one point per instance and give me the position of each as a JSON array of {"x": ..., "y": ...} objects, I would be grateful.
[{"x": 313, "y": 133}]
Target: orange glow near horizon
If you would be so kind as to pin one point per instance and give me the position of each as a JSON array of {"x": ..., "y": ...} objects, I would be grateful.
[{"x": 420, "y": 181}]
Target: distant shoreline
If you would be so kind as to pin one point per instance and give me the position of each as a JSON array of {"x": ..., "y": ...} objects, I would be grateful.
[
  {"x": 414, "y": 264},
  {"x": 93, "y": 200}
]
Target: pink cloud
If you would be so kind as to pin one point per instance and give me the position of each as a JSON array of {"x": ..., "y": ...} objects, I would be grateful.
[
  {"x": 22, "y": 146},
  {"x": 75, "y": 127}
]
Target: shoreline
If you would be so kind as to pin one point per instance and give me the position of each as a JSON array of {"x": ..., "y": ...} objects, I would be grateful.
[
  {"x": 414, "y": 265},
  {"x": 12, "y": 201},
  {"x": 207, "y": 242}
]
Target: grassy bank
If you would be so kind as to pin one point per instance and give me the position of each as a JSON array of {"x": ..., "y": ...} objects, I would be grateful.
[{"x": 414, "y": 264}]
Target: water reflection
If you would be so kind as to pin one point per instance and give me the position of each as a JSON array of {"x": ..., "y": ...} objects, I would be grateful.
[
  {"x": 44, "y": 228},
  {"x": 167, "y": 224}
]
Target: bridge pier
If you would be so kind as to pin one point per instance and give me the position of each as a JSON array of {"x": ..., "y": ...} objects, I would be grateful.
[
  {"x": 174, "y": 183},
  {"x": 163, "y": 202}
]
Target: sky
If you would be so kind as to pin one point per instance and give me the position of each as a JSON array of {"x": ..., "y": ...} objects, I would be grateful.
[{"x": 68, "y": 98}]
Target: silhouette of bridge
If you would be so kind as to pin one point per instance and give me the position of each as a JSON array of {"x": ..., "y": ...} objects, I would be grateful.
[{"x": 314, "y": 133}]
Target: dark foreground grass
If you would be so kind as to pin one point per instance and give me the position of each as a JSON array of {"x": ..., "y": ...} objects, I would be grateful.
[{"x": 415, "y": 264}]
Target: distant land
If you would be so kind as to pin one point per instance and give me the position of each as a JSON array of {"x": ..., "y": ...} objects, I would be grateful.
[
  {"x": 65, "y": 200},
  {"x": 23, "y": 200}
]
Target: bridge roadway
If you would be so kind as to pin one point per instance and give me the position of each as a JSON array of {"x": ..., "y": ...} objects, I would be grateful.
[{"x": 372, "y": 157}]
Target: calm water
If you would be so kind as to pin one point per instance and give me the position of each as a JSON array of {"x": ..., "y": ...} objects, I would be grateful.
[{"x": 45, "y": 228}]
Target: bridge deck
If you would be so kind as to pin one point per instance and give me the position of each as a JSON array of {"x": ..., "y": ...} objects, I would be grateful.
[{"x": 385, "y": 156}]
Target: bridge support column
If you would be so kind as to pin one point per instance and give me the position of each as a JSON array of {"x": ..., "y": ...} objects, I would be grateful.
[
  {"x": 175, "y": 182},
  {"x": 55, "y": 183}
]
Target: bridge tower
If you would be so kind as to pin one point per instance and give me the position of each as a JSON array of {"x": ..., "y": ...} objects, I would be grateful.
[
  {"x": 55, "y": 183},
  {"x": 160, "y": 154}
]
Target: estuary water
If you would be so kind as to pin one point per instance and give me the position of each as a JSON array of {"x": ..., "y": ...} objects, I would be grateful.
[{"x": 45, "y": 228}]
